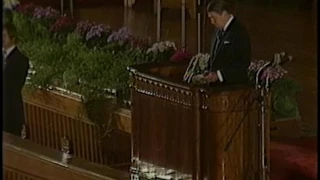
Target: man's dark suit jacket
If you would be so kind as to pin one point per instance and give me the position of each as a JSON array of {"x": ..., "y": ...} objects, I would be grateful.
[
  {"x": 233, "y": 55},
  {"x": 14, "y": 75}
]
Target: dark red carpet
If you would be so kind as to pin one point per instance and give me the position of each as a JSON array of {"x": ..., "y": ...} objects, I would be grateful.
[{"x": 294, "y": 159}]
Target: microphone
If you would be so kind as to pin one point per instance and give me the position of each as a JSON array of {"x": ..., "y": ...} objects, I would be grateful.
[{"x": 279, "y": 59}]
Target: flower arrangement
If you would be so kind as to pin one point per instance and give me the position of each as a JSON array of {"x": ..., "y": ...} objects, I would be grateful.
[
  {"x": 47, "y": 13},
  {"x": 162, "y": 50},
  {"x": 162, "y": 47},
  {"x": 122, "y": 36},
  {"x": 83, "y": 27},
  {"x": 203, "y": 60},
  {"x": 271, "y": 73},
  {"x": 81, "y": 56},
  {"x": 197, "y": 66},
  {"x": 98, "y": 31}
]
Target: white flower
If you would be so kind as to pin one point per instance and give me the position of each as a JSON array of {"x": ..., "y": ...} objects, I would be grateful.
[
  {"x": 161, "y": 47},
  {"x": 203, "y": 60},
  {"x": 10, "y": 4}
]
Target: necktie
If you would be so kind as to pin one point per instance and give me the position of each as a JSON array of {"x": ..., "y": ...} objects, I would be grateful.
[
  {"x": 218, "y": 41},
  {"x": 215, "y": 47}
]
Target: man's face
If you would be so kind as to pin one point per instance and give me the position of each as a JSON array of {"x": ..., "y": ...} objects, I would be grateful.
[
  {"x": 218, "y": 20},
  {"x": 7, "y": 41}
]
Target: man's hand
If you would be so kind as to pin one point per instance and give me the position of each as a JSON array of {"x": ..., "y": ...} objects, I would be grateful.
[{"x": 211, "y": 77}]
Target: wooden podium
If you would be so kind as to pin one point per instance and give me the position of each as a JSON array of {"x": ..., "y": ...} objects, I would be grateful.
[{"x": 185, "y": 132}]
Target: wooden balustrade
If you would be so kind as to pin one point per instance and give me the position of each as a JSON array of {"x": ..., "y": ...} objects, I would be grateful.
[
  {"x": 13, "y": 174},
  {"x": 26, "y": 160},
  {"x": 50, "y": 117}
]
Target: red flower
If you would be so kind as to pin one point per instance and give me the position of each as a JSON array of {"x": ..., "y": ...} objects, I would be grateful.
[
  {"x": 26, "y": 9},
  {"x": 180, "y": 55},
  {"x": 63, "y": 24}
]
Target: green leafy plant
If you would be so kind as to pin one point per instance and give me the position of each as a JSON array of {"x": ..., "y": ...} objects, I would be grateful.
[
  {"x": 85, "y": 58},
  {"x": 47, "y": 59},
  {"x": 284, "y": 104}
]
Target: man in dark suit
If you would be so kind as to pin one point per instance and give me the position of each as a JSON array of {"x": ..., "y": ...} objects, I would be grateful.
[
  {"x": 231, "y": 48},
  {"x": 15, "y": 70}
]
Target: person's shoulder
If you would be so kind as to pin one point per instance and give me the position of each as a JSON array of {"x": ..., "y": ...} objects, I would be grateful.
[
  {"x": 239, "y": 30},
  {"x": 238, "y": 26},
  {"x": 21, "y": 56}
]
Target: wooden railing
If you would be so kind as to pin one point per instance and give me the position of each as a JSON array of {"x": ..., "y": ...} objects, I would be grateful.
[
  {"x": 54, "y": 120},
  {"x": 14, "y": 174},
  {"x": 25, "y": 160}
]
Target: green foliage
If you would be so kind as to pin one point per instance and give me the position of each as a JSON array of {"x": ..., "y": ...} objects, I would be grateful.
[
  {"x": 284, "y": 102},
  {"x": 47, "y": 59},
  {"x": 68, "y": 61},
  {"x": 23, "y": 26},
  {"x": 29, "y": 28}
]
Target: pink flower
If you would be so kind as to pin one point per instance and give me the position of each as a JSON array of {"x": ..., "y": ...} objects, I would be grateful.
[{"x": 180, "y": 55}]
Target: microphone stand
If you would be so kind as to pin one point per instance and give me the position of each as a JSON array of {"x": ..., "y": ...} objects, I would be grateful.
[{"x": 264, "y": 89}]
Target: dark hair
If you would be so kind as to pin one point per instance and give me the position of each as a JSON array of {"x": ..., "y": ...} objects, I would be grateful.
[
  {"x": 219, "y": 6},
  {"x": 11, "y": 29}
]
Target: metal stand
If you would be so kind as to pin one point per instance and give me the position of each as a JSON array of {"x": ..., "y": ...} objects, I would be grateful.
[
  {"x": 158, "y": 20},
  {"x": 71, "y": 8},
  {"x": 183, "y": 24},
  {"x": 199, "y": 29},
  {"x": 62, "y": 7},
  {"x": 262, "y": 102}
]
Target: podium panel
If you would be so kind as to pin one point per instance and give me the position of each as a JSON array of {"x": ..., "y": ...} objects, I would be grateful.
[
  {"x": 163, "y": 126},
  {"x": 229, "y": 134},
  {"x": 187, "y": 132}
]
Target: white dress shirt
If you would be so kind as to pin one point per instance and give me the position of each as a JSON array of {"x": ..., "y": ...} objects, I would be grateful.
[{"x": 220, "y": 77}]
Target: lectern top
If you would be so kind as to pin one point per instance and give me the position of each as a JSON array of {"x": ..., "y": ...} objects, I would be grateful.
[{"x": 170, "y": 74}]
